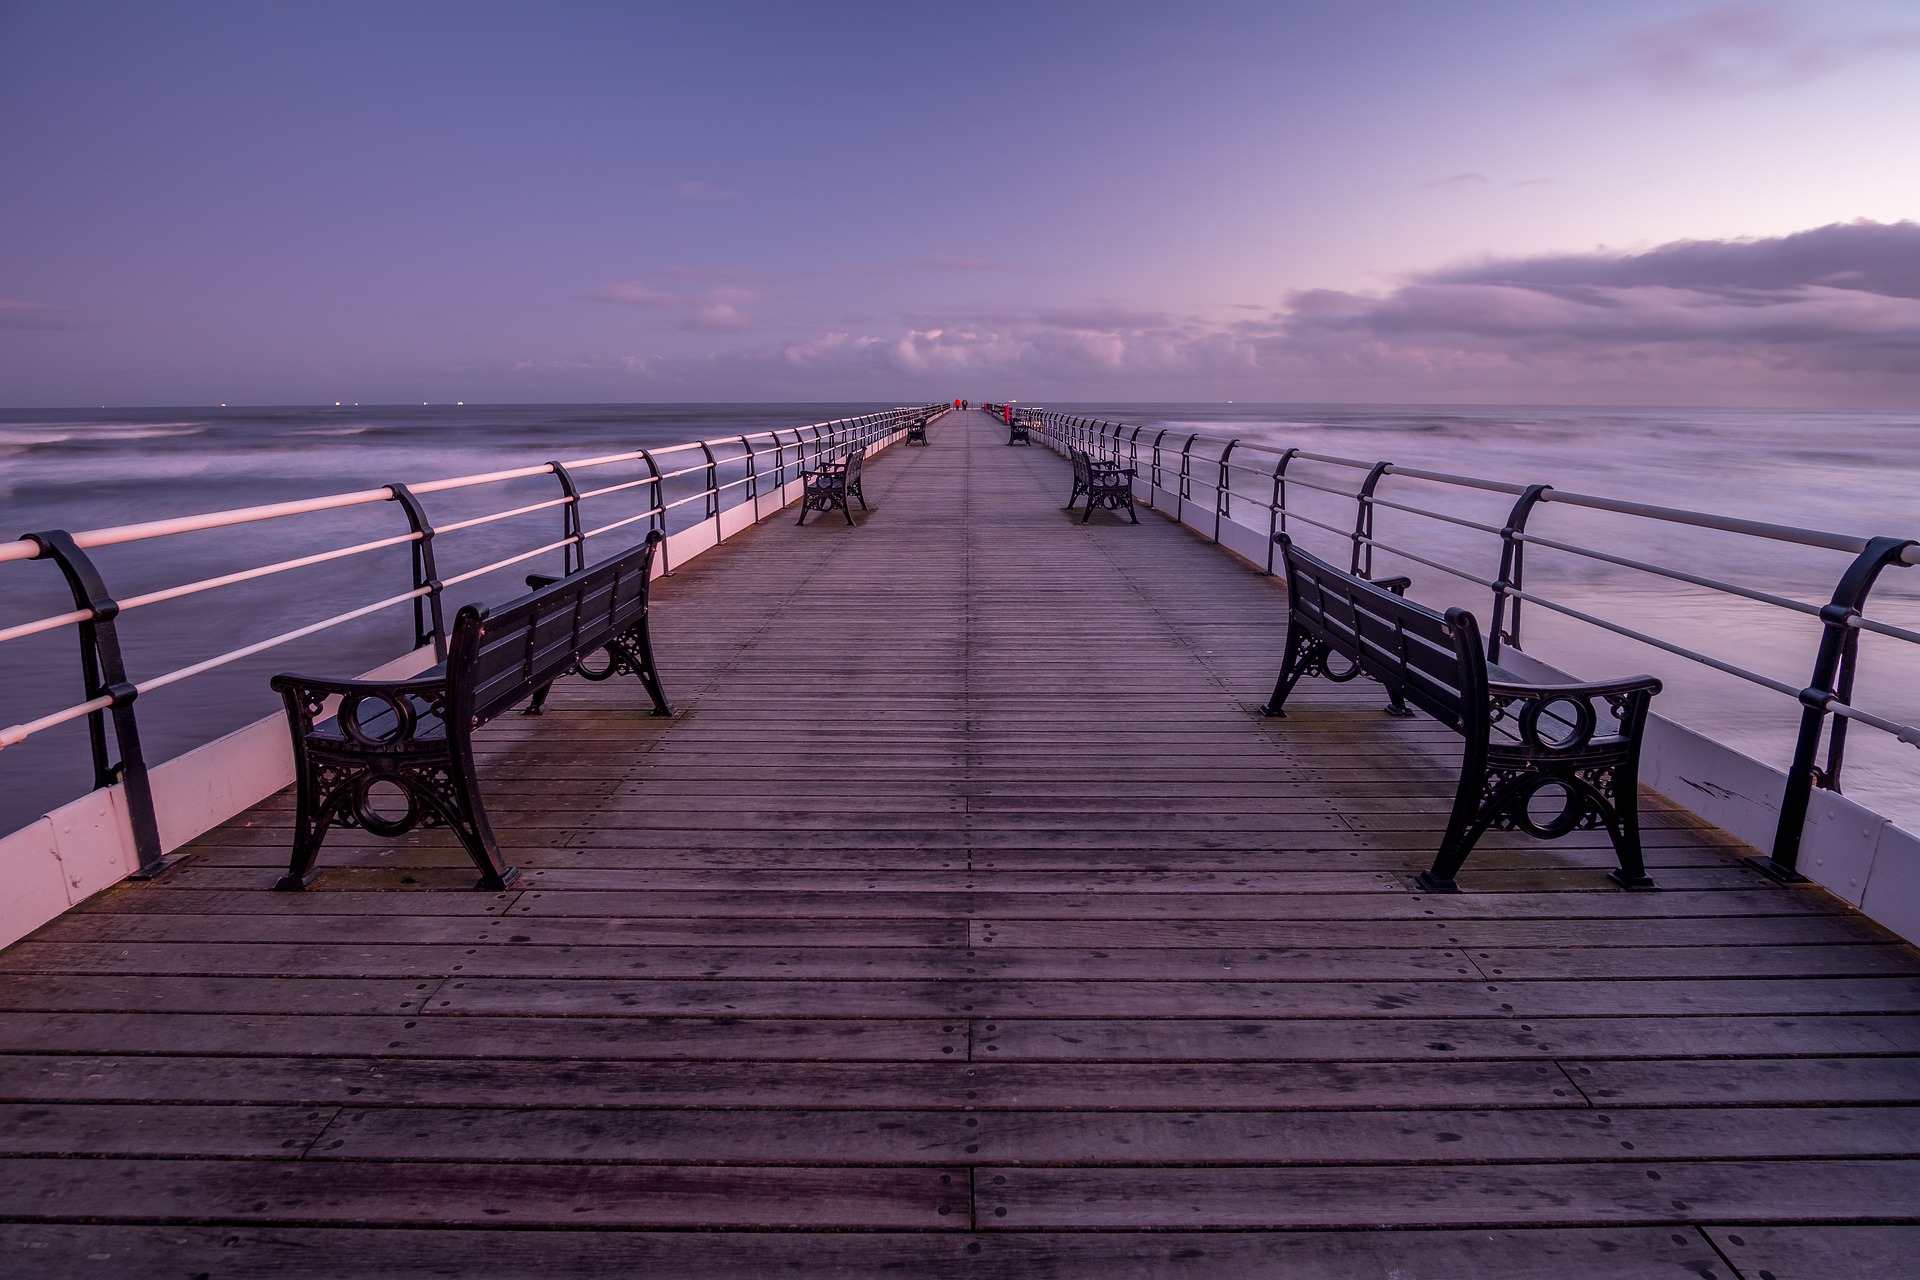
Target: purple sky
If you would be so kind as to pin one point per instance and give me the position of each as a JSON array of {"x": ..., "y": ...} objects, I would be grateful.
[{"x": 1361, "y": 200}]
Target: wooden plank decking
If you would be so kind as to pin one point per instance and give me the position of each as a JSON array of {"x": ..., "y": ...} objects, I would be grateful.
[{"x": 967, "y": 922}]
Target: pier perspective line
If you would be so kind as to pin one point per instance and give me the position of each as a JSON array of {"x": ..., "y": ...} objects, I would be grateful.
[{"x": 966, "y": 919}]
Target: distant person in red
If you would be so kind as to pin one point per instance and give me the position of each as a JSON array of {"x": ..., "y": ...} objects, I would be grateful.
[{"x": 1008, "y": 409}]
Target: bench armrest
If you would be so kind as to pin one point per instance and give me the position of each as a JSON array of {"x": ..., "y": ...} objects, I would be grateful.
[
  {"x": 424, "y": 685},
  {"x": 1604, "y": 715},
  {"x": 1591, "y": 689},
  {"x": 1397, "y": 585},
  {"x": 405, "y": 700}
]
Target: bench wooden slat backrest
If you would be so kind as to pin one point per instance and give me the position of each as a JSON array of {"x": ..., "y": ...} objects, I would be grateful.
[
  {"x": 496, "y": 657},
  {"x": 1432, "y": 660}
]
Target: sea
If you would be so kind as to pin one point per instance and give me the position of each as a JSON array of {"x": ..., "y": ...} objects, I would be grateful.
[{"x": 1850, "y": 472}]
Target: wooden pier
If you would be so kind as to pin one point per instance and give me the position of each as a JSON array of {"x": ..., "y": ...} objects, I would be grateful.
[{"x": 967, "y": 922}]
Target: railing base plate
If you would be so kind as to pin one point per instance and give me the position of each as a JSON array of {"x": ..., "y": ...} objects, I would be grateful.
[
  {"x": 1767, "y": 867},
  {"x": 159, "y": 868}
]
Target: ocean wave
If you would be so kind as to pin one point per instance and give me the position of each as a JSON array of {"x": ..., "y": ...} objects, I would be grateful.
[{"x": 24, "y": 435}]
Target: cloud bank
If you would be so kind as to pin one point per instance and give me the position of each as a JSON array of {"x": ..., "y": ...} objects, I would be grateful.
[
  {"x": 715, "y": 309},
  {"x": 1829, "y": 316},
  {"x": 1737, "y": 48},
  {"x": 1836, "y": 300}
]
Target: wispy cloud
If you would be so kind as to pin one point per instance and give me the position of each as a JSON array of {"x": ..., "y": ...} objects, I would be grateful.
[
  {"x": 719, "y": 309},
  {"x": 1456, "y": 181},
  {"x": 17, "y": 313},
  {"x": 1737, "y": 48},
  {"x": 694, "y": 189}
]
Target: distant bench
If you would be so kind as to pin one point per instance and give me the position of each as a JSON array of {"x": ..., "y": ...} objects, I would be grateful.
[
  {"x": 1576, "y": 746},
  {"x": 917, "y": 431},
  {"x": 1106, "y": 484},
  {"x": 413, "y": 739}
]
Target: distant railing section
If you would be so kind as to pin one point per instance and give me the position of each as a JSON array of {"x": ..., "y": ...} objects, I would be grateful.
[
  {"x": 1234, "y": 475},
  {"x": 761, "y": 462}
]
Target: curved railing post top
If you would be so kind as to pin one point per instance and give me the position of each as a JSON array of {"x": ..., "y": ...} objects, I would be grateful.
[
  {"x": 1832, "y": 682},
  {"x": 104, "y": 672},
  {"x": 1505, "y": 625},
  {"x": 573, "y": 556},
  {"x": 1363, "y": 521},
  {"x": 429, "y": 618},
  {"x": 1858, "y": 581},
  {"x": 1522, "y": 508}
]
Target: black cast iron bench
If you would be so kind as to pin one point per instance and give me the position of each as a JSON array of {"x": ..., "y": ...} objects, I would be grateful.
[
  {"x": 831, "y": 485},
  {"x": 1106, "y": 484},
  {"x": 1575, "y": 746},
  {"x": 917, "y": 431},
  {"x": 413, "y": 739},
  {"x": 1019, "y": 430}
]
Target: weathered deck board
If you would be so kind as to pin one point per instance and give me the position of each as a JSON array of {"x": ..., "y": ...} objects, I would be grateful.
[
  {"x": 247, "y": 1252},
  {"x": 966, "y": 923}
]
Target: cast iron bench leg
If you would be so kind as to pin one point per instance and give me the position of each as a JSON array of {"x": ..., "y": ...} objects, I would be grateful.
[{"x": 633, "y": 653}]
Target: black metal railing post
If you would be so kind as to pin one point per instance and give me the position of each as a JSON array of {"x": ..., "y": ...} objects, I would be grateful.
[
  {"x": 573, "y": 556},
  {"x": 1186, "y": 478},
  {"x": 1277, "y": 509},
  {"x": 429, "y": 624},
  {"x": 753, "y": 479},
  {"x": 657, "y": 500},
  {"x": 103, "y": 674},
  {"x": 1363, "y": 522},
  {"x": 1513, "y": 565},
  {"x": 713, "y": 490},
  {"x": 1222, "y": 492},
  {"x": 1832, "y": 670}
]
